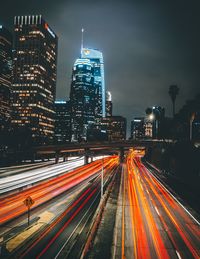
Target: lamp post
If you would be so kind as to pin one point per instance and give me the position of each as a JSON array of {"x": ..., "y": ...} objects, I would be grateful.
[
  {"x": 151, "y": 118},
  {"x": 154, "y": 117},
  {"x": 191, "y": 121}
]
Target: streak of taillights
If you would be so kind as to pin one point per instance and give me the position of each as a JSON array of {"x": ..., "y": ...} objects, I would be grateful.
[
  {"x": 83, "y": 199},
  {"x": 156, "y": 187},
  {"x": 46, "y": 191},
  {"x": 155, "y": 234},
  {"x": 63, "y": 227}
]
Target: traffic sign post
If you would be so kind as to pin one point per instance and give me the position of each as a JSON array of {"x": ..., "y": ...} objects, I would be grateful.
[
  {"x": 28, "y": 202},
  {"x": 28, "y": 216}
]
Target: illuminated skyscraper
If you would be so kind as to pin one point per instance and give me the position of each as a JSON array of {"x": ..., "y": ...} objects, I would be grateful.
[
  {"x": 96, "y": 59},
  {"x": 34, "y": 78},
  {"x": 82, "y": 99},
  {"x": 62, "y": 122},
  {"x": 137, "y": 128},
  {"x": 108, "y": 103},
  {"x": 5, "y": 76}
]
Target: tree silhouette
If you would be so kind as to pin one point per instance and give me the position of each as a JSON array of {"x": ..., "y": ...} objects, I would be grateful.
[
  {"x": 173, "y": 92},
  {"x": 148, "y": 111}
]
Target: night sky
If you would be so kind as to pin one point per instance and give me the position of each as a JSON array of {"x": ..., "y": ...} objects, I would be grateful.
[{"x": 147, "y": 46}]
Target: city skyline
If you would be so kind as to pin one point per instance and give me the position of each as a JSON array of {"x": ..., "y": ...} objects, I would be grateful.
[
  {"x": 99, "y": 129},
  {"x": 141, "y": 54}
]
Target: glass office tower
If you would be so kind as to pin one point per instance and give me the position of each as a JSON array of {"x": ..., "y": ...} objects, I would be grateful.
[
  {"x": 96, "y": 59},
  {"x": 5, "y": 76},
  {"x": 62, "y": 122},
  {"x": 82, "y": 99},
  {"x": 34, "y": 76}
]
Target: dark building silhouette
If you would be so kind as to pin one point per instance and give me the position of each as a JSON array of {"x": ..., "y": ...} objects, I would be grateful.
[
  {"x": 82, "y": 99},
  {"x": 62, "y": 122},
  {"x": 5, "y": 76},
  {"x": 114, "y": 127},
  {"x": 137, "y": 128},
  {"x": 34, "y": 76},
  {"x": 186, "y": 122},
  {"x": 96, "y": 134}
]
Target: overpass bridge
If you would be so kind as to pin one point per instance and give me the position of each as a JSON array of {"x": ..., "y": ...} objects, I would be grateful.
[{"x": 89, "y": 149}]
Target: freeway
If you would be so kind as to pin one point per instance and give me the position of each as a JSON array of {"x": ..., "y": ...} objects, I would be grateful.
[
  {"x": 156, "y": 223},
  {"x": 12, "y": 170},
  {"x": 16, "y": 169},
  {"x": 12, "y": 206},
  {"x": 57, "y": 236},
  {"x": 30, "y": 177}
]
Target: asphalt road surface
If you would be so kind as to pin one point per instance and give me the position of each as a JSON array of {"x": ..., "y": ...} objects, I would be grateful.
[
  {"x": 53, "y": 239},
  {"x": 154, "y": 223}
]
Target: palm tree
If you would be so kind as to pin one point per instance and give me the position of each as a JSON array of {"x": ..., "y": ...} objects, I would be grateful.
[
  {"x": 173, "y": 92},
  {"x": 148, "y": 111}
]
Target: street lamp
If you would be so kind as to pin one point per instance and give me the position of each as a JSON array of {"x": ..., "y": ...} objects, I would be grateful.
[
  {"x": 191, "y": 122},
  {"x": 151, "y": 117},
  {"x": 154, "y": 115}
]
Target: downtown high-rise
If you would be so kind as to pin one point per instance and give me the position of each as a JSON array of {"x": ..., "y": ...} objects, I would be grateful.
[
  {"x": 5, "y": 76},
  {"x": 87, "y": 95},
  {"x": 115, "y": 127},
  {"x": 96, "y": 59},
  {"x": 34, "y": 76},
  {"x": 62, "y": 122},
  {"x": 82, "y": 99}
]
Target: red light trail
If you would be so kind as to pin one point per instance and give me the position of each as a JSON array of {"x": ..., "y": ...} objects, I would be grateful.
[{"x": 160, "y": 226}]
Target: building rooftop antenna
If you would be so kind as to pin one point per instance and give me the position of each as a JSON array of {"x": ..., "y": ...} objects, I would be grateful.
[{"x": 82, "y": 31}]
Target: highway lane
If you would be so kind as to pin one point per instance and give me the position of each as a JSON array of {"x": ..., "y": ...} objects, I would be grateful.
[
  {"x": 159, "y": 226},
  {"x": 40, "y": 216},
  {"x": 52, "y": 241},
  {"x": 12, "y": 206},
  {"x": 11, "y": 170},
  {"x": 30, "y": 177},
  {"x": 15, "y": 169}
]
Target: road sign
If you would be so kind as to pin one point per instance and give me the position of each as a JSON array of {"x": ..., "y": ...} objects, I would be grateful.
[{"x": 28, "y": 201}]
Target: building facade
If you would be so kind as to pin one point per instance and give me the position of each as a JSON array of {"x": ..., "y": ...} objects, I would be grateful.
[
  {"x": 109, "y": 106},
  {"x": 114, "y": 127},
  {"x": 154, "y": 122},
  {"x": 34, "y": 76},
  {"x": 5, "y": 76},
  {"x": 62, "y": 122},
  {"x": 137, "y": 128},
  {"x": 96, "y": 59},
  {"x": 82, "y": 99},
  {"x": 148, "y": 129}
]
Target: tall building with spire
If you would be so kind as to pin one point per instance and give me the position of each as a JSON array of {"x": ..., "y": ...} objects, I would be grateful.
[
  {"x": 5, "y": 76},
  {"x": 34, "y": 76},
  {"x": 96, "y": 59},
  {"x": 87, "y": 95}
]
